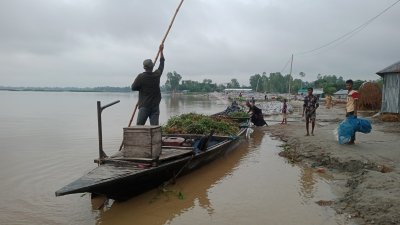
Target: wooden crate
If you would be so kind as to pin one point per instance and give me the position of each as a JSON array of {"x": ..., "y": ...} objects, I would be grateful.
[{"x": 142, "y": 142}]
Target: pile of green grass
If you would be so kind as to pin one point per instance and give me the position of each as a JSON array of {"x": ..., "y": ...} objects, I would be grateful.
[{"x": 193, "y": 123}]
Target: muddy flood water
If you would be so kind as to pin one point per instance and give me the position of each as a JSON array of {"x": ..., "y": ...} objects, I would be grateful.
[{"x": 49, "y": 139}]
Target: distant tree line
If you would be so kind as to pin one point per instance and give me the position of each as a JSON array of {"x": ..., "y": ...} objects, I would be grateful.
[
  {"x": 175, "y": 83},
  {"x": 272, "y": 83},
  {"x": 277, "y": 83}
]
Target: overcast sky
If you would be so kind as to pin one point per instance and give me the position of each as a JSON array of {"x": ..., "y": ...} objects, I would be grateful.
[{"x": 88, "y": 43}]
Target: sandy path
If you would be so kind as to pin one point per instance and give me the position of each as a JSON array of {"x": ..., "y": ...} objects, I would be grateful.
[{"x": 366, "y": 175}]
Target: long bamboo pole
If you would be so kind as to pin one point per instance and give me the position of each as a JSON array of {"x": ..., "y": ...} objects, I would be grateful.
[
  {"x": 169, "y": 28},
  {"x": 155, "y": 61},
  {"x": 130, "y": 122}
]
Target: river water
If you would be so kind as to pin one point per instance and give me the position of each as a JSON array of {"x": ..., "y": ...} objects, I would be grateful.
[{"x": 48, "y": 139}]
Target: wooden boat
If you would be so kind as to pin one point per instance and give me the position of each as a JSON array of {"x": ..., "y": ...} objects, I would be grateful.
[{"x": 119, "y": 177}]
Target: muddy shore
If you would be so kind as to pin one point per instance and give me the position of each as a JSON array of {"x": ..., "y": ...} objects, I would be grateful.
[{"x": 366, "y": 176}]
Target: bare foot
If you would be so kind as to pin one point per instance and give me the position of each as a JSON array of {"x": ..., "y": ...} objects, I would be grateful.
[
  {"x": 312, "y": 134},
  {"x": 307, "y": 135}
]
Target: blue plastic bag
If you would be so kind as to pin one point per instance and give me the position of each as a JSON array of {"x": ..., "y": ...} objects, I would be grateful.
[
  {"x": 364, "y": 126},
  {"x": 345, "y": 131},
  {"x": 349, "y": 126}
]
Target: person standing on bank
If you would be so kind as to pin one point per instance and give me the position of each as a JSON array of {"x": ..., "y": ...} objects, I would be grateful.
[
  {"x": 309, "y": 107},
  {"x": 284, "y": 112},
  {"x": 148, "y": 85},
  {"x": 351, "y": 105}
]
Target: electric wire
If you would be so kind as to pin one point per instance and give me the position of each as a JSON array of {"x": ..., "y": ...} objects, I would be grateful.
[
  {"x": 287, "y": 63},
  {"x": 342, "y": 38},
  {"x": 350, "y": 33}
]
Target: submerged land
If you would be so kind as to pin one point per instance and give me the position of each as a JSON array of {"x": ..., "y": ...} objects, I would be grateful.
[{"x": 365, "y": 176}]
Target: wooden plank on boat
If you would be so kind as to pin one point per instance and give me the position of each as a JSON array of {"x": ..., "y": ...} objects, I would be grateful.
[
  {"x": 166, "y": 154},
  {"x": 106, "y": 177},
  {"x": 101, "y": 174},
  {"x": 178, "y": 147}
]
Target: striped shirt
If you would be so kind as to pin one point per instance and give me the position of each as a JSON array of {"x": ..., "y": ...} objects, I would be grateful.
[{"x": 310, "y": 103}]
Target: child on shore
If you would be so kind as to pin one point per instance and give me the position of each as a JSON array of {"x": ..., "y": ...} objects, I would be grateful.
[{"x": 284, "y": 112}]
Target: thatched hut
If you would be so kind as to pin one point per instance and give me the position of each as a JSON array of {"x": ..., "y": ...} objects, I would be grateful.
[
  {"x": 370, "y": 96},
  {"x": 391, "y": 88}
]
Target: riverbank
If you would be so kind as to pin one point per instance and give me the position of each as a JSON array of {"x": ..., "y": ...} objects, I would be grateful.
[{"x": 366, "y": 175}]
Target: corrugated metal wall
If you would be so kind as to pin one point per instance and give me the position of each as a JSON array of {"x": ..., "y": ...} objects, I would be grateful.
[{"x": 391, "y": 93}]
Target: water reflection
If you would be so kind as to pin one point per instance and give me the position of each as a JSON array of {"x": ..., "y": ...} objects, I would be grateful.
[
  {"x": 256, "y": 138},
  {"x": 176, "y": 104},
  {"x": 310, "y": 182},
  {"x": 159, "y": 207},
  {"x": 307, "y": 182}
]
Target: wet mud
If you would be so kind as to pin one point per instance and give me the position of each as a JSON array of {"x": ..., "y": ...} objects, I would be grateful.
[{"x": 366, "y": 175}]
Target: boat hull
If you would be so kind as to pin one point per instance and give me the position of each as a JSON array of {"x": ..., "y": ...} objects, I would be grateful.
[{"x": 123, "y": 180}]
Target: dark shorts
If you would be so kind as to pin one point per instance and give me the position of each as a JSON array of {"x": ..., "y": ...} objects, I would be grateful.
[
  {"x": 311, "y": 116},
  {"x": 349, "y": 114}
]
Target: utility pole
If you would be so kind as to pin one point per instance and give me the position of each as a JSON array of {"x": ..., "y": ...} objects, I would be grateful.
[{"x": 291, "y": 66}]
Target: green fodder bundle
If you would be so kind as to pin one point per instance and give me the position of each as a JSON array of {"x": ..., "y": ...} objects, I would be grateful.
[
  {"x": 370, "y": 96},
  {"x": 193, "y": 123},
  {"x": 238, "y": 114}
]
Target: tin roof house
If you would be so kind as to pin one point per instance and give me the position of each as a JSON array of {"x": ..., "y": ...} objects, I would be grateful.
[
  {"x": 391, "y": 88},
  {"x": 341, "y": 94}
]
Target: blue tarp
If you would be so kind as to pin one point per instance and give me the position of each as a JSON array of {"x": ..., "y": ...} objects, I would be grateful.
[{"x": 349, "y": 126}]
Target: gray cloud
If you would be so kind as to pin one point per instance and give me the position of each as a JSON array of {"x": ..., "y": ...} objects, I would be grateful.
[{"x": 103, "y": 42}]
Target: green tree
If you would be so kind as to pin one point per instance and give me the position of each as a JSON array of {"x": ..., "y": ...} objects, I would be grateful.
[
  {"x": 263, "y": 86},
  {"x": 205, "y": 86},
  {"x": 254, "y": 81},
  {"x": 221, "y": 87},
  {"x": 357, "y": 84},
  {"x": 208, "y": 86},
  {"x": 297, "y": 84},
  {"x": 173, "y": 79},
  {"x": 329, "y": 90},
  {"x": 277, "y": 83},
  {"x": 233, "y": 84}
]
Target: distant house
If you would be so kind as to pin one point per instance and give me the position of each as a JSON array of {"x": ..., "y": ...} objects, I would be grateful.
[
  {"x": 341, "y": 94},
  {"x": 391, "y": 88},
  {"x": 302, "y": 91}
]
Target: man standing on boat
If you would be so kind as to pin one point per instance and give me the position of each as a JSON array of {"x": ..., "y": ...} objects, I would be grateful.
[{"x": 148, "y": 85}]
